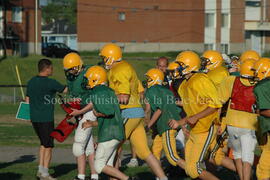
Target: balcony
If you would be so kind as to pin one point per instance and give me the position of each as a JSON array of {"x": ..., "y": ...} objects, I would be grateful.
[{"x": 257, "y": 26}]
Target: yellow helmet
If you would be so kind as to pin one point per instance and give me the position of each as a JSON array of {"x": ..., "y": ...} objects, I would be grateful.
[
  {"x": 262, "y": 68},
  {"x": 154, "y": 76},
  {"x": 188, "y": 62},
  {"x": 96, "y": 75},
  {"x": 247, "y": 69},
  {"x": 72, "y": 60},
  {"x": 173, "y": 70},
  {"x": 110, "y": 53},
  {"x": 211, "y": 60},
  {"x": 250, "y": 54}
]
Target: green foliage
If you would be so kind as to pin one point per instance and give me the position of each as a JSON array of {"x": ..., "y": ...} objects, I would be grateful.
[{"x": 60, "y": 10}]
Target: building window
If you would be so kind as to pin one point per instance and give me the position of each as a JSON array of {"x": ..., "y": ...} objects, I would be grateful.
[
  {"x": 121, "y": 16},
  {"x": 224, "y": 20},
  {"x": 209, "y": 19},
  {"x": 17, "y": 14},
  {"x": 256, "y": 3},
  {"x": 208, "y": 47},
  {"x": 224, "y": 48}
]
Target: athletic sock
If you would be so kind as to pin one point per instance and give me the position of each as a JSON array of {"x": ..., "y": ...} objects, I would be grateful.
[
  {"x": 165, "y": 178},
  {"x": 94, "y": 176},
  {"x": 45, "y": 172},
  {"x": 81, "y": 176},
  {"x": 40, "y": 168}
]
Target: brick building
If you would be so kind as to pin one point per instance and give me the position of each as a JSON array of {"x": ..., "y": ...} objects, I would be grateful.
[
  {"x": 17, "y": 27},
  {"x": 230, "y": 26}
]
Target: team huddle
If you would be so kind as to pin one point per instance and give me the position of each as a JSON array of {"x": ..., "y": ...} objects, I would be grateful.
[{"x": 218, "y": 108}]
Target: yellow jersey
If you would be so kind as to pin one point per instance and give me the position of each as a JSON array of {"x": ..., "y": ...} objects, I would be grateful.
[
  {"x": 123, "y": 80},
  {"x": 218, "y": 75},
  {"x": 197, "y": 94},
  {"x": 233, "y": 117}
]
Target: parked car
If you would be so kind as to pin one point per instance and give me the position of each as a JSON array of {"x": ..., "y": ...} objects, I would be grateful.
[{"x": 56, "y": 50}]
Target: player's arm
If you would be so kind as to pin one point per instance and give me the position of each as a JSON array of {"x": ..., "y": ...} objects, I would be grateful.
[
  {"x": 123, "y": 98},
  {"x": 154, "y": 118},
  {"x": 65, "y": 90},
  {"x": 77, "y": 112},
  {"x": 88, "y": 124},
  {"x": 206, "y": 112},
  {"x": 265, "y": 113}
]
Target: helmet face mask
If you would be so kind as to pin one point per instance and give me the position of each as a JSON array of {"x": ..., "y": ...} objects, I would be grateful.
[
  {"x": 204, "y": 63},
  {"x": 84, "y": 84},
  {"x": 72, "y": 73}
]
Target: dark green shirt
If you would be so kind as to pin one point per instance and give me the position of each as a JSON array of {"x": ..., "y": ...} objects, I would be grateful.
[
  {"x": 105, "y": 102},
  {"x": 262, "y": 93},
  {"x": 237, "y": 73},
  {"x": 41, "y": 91},
  {"x": 75, "y": 88},
  {"x": 160, "y": 97}
]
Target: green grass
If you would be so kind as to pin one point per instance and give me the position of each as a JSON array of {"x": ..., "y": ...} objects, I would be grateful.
[
  {"x": 25, "y": 170},
  {"x": 28, "y": 68}
]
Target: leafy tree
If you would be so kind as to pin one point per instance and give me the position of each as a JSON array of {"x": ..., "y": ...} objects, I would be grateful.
[{"x": 60, "y": 10}]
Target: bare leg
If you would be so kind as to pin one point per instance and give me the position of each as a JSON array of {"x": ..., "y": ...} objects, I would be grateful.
[
  {"x": 41, "y": 155},
  {"x": 205, "y": 175},
  {"x": 239, "y": 168},
  {"x": 47, "y": 157},
  {"x": 91, "y": 158},
  {"x": 181, "y": 163},
  {"x": 111, "y": 171},
  {"x": 154, "y": 164},
  {"x": 117, "y": 159},
  {"x": 228, "y": 163},
  {"x": 81, "y": 164},
  {"x": 246, "y": 171}
]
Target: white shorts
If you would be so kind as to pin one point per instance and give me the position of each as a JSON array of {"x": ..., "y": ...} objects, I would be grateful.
[
  {"x": 243, "y": 142},
  {"x": 83, "y": 140},
  {"x": 105, "y": 152},
  {"x": 180, "y": 140}
]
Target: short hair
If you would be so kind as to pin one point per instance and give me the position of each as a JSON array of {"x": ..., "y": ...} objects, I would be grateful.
[
  {"x": 163, "y": 57},
  {"x": 43, "y": 64}
]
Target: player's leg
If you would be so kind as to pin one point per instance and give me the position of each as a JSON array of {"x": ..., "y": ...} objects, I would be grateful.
[
  {"x": 139, "y": 141},
  {"x": 248, "y": 145},
  {"x": 104, "y": 153},
  {"x": 217, "y": 156},
  {"x": 157, "y": 146},
  {"x": 81, "y": 139},
  {"x": 169, "y": 144},
  {"x": 90, "y": 153},
  {"x": 263, "y": 168},
  {"x": 196, "y": 150},
  {"x": 234, "y": 140},
  {"x": 133, "y": 161}
]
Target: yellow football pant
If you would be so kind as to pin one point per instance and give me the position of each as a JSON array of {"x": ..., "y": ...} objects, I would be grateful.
[
  {"x": 167, "y": 142},
  {"x": 134, "y": 131},
  {"x": 263, "y": 168},
  {"x": 217, "y": 153},
  {"x": 196, "y": 150}
]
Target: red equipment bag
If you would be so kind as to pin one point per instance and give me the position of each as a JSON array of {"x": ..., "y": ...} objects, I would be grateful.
[{"x": 65, "y": 128}]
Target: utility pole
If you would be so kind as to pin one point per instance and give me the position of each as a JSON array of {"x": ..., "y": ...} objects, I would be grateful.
[{"x": 36, "y": 26}]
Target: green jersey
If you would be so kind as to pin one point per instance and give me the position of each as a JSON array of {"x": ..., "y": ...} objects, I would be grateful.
[
  {"x": 75, "y": 88},
  {"x": 237, "y": 74},
  {"x": 262, "y": 93},
  {"x": 41, "y": 91},
  {"x": 106, "y": 102},
  {"x": 162, "y": 98}
]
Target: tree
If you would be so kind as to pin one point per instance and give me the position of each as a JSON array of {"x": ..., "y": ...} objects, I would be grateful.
[{"x": 60, "y": 10}]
